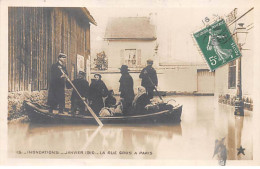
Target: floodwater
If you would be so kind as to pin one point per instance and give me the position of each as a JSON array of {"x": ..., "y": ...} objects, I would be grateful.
[{"x": 203, "y": 122}]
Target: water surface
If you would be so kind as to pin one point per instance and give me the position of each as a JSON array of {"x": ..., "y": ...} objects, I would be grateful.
[{"x": 203, "y": 121}]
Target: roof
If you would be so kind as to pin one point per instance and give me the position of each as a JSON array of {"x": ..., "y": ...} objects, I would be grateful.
[
  {"x": 82, "y": 13},
  {"x": 138, "y": 28},
  {"x": 90, "y": 17}
]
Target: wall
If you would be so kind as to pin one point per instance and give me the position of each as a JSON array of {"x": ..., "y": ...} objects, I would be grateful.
[
  {"x": 36, "y": 37},
  {"x": 179, "y": 80},
  {"x": 206, "y": 81},
  {"x": 113, "y": 49},
  {"x": 176, "y": 80}
]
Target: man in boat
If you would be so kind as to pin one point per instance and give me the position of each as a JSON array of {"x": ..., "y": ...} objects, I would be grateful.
[
  {"x": 56, "y": 93},
  {"x": 149, "y": 78},
  {"x": 110, "y": 100},
  {"x": 126, "y": 89},
  {"x": 81, "y": 84},
  {"x": 97, "y": 91}
]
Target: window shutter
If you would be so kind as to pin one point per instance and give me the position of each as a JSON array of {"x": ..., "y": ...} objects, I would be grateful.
[
  {"x": 122, "y": 56},
  {"x": 139, "y": 60}
]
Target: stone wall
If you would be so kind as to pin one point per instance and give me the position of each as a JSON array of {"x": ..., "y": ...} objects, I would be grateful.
[{"x": 15, "y": 101}]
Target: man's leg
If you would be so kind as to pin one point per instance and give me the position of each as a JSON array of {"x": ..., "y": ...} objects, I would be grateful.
[
  {"x": 73, "y": 107},
  {"x": 61, "y": 108},
  {"x": 149, "y": 92},
  {"x": 52, "y": 107},
  {"x": 81, "y": 106}
]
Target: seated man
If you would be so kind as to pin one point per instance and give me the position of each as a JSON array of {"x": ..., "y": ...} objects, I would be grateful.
[
  {"x": 110, "y": 100},
  {"x": 82, "y": 86},
  {"x": 140, "y": 100}
]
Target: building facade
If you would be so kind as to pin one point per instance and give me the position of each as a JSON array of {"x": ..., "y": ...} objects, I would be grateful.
[
  {"x": 37, "y": 35},
  {"x": 130, "y": 41},
  {"x": 226, "y": 77}
]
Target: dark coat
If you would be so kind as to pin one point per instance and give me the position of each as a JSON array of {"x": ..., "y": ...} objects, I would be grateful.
[
  {"x": 127, "y": 87},
  {"x": 56, "y": 93},
  {"x": 110, "y": 101},
  {"x": 151, "y": 72},
  {"x": 82, "y": 86},
  {"x": 141, "y": 102},
  {"x": 97, "y": 90}
]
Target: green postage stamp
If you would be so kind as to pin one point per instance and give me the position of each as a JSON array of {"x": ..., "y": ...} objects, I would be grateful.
[{"x": 217, "y": 45}]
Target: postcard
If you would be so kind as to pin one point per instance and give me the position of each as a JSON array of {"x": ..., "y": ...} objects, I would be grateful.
[{"x": 130, "y": 83}]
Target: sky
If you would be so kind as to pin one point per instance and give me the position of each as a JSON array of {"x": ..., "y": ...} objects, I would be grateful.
[{"x": 174, "y": 25}]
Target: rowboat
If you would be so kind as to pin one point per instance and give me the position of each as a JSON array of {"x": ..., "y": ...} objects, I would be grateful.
[{"x": 40, "y": 114}]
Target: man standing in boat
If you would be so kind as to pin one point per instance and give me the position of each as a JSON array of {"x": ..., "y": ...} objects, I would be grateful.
[
  {"x": 82, "y": 85},
  {"x": 56, "y": 93},
  {"x": 126, "y": 89},
  {"x": 149, "y": 78}
]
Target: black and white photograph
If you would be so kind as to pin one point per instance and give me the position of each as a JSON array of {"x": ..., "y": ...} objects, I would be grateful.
[{"x": 130, "y": 82}]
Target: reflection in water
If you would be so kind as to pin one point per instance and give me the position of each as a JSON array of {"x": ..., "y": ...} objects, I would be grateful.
[
  {"x": 235, "y": 139},
  {"x": 203, "y": 121},
  {"x": 238, "y": 133},
  {"x": 237, "y": 130},
  {"x": 106, "y": 141}
]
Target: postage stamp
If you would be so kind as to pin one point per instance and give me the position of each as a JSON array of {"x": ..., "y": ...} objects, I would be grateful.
[{"x": 217, "y": 45}]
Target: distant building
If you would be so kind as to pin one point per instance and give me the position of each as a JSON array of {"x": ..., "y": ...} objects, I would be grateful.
[
  {"x": 226, "y": 77},
  {"x": 36, "y": 36},
  {"x": 130, "y": 41},
  {"x": 185, "y": 78}
]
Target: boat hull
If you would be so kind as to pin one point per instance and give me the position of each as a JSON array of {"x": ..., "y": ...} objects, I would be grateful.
[{"x": 39, "y": 114}]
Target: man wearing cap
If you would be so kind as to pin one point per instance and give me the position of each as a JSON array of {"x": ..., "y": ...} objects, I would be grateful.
[
  {"x": 56, "y": 93},
  {"x": 126, "y": 89},
  {"x": 149, "y": 78},
  {"x": 81, "y": 84}
]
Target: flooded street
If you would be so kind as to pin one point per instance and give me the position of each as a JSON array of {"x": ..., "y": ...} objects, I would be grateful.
[{"x": 203, "y": 121}]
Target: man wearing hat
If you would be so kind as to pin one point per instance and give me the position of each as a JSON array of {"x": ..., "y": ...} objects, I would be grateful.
[
  {"x": 82, "y": 85},
  {"x": 126, "y": 89},
  {"x": 149, "y": 78},
  {"x": 56, "y": 93}
]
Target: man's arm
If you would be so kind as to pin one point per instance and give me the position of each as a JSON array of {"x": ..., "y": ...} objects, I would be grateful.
[
  {"x": 142, "y": 74},
  {"x": 86, "y": 89},
  {"x": 155, "y": 78}
]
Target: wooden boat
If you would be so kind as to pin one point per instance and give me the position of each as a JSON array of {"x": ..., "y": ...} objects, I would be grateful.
[{"x": 40, "y": 114}]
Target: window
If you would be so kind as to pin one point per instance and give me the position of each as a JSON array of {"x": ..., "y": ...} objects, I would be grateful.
[
  {"x": 232, "y": 75},
  {"x": 130, "y": 57}
]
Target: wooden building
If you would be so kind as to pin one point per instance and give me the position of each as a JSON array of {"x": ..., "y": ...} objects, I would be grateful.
[{"x": 37, "y": 35}]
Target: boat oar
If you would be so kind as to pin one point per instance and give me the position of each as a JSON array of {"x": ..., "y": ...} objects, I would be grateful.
[
  {"x": 154, "y": 87},
  {"x": 88, "y": 107}
]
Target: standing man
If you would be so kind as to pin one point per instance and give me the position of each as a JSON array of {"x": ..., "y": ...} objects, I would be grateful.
[
  {"x": 126, "y": 89},
  {"x": 56, "y": 94},
  {"x": 149, "y": 78},
  {"x": 81, "y": 84}
]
